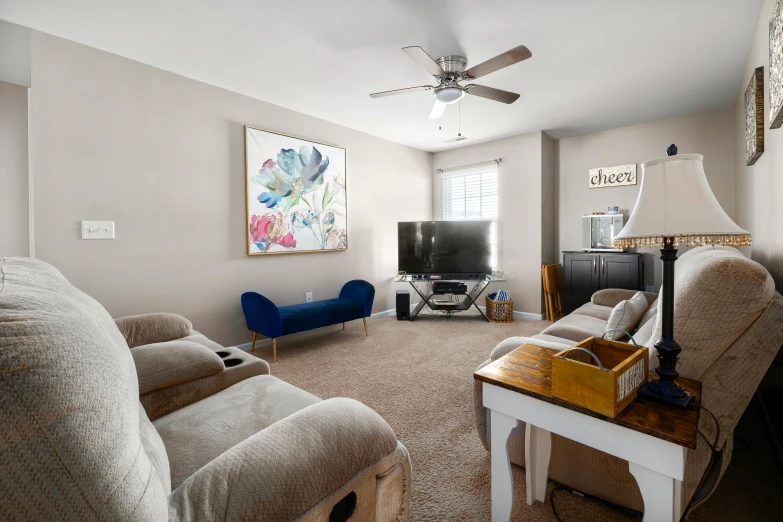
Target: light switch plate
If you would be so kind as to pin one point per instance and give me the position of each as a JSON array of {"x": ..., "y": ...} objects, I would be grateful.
[
  {"x": 97, "y": 229},
  {"x": 309, "y": 297}
]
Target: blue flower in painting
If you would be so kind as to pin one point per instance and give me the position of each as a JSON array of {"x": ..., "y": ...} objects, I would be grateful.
[
  {"x": 299, "y": 220},
  {"x": 292, "y": 176},
  {"x": 328, "y": 223}
]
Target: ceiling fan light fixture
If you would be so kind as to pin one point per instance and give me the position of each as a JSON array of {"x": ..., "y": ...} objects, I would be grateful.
[{"x": 449, "y": 94}]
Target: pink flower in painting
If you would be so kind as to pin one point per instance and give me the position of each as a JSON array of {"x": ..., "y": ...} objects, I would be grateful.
[
  {"x": 288, "y": 241},
  {"x": 270, "y": 229}
]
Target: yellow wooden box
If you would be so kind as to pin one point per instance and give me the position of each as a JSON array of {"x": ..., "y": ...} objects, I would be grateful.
[{"x": 606, "y": 389}]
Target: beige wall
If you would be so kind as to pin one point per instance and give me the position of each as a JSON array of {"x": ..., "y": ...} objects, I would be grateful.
[
  {"x": 711, "y": 134},
  {"x": 549, "y": 207},
  {"x": 519, "y": 206},
  {"x": 14, "y": 236},
  {"x": 163, "y": 156},
  {"x": 759, "y": 205}
]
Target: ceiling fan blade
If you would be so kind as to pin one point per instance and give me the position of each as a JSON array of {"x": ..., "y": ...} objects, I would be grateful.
[
  {"x": 492, "y": 94},
  {"x": 401, "y": 91},
  {"x": 515, "y": 55},
  {"x": 437, "y": 110},
  {"x": 421, "y": 57}
]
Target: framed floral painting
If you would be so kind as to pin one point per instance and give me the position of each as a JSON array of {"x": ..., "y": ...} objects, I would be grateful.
[{"x": 296, "y": 197}]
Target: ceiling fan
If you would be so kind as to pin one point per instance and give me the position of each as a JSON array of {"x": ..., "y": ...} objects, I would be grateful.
[{"x": 450, "y": 71}]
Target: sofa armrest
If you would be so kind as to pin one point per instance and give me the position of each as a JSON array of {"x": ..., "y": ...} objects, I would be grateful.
[
  {"x": 284, "y": 470},
  {"x": 262, "y": 315},
  {"x": 162, "y": 365},
  {"x": 153, "y": 328},
  {"x": 361, "y": 292},
  {"x": 612, "y": 296}
]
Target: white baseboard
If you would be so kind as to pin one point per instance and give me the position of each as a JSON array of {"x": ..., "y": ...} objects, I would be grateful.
[
  {"x": 246, "y": 346},
  {"x": 389, "y": 313}
]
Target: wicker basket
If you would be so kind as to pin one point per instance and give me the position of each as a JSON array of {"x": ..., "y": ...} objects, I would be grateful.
[{"x": 500, "y": 311}]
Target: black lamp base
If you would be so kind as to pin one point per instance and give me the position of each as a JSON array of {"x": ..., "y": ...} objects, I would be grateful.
[
  {"x": 665, "y": 389},
  {"x": 668, "y": 392}
]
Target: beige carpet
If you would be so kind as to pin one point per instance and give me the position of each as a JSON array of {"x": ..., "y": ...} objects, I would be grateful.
[{"x": 419, "y": 376}]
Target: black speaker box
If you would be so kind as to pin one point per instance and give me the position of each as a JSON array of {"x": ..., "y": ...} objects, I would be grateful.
[{"x": 403, "y": 305}]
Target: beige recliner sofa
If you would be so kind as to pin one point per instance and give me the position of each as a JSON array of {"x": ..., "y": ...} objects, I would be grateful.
[
  {"x": 77, "y": 444},
  {"x": 728, "y": 319},
  {"x": 177, "y": 365}
]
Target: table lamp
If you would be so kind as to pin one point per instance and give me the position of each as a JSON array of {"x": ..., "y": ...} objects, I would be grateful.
[{"x": 675, "y": 207}]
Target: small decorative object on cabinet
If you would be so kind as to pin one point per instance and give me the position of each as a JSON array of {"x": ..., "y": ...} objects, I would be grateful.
[
  {"x": 776, "y": 67},
  {"x": 295, "y": 195},
  {"x": 500, "y": 307},
  {"x": 612, "y": 210},
  {"x": 600, "y": 375},
  {"x": 754, "y": 117},
  {"x": 584, "y": 273},
  {"x": 598, "y": 231}
]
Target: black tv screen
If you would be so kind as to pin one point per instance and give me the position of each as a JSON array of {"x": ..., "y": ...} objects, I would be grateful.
[{"x": 446, "y": 248}]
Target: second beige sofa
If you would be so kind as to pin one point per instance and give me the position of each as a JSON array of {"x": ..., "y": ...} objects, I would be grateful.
[{"x": 728, "y": 319}]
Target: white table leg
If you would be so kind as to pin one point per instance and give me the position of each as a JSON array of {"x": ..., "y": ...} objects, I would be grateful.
[
  {"x": 502, "y": 481},
  {"x": 662, "y": 495},
  {"x": 538, "y": 449}
]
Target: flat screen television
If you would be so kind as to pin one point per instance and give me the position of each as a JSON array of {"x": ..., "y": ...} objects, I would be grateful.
[{"x": 444, "y": 249}]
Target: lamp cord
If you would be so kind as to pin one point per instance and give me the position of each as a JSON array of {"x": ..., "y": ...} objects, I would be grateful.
[{"x": 714, "y": 452}]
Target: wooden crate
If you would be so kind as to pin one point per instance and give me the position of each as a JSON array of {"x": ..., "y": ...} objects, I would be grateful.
[
  {"x": 577, "y": 378},
  {"x": 500, "y": 311}
]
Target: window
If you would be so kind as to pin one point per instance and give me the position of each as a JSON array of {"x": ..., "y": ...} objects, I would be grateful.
[{"x": 472, "y": 194}]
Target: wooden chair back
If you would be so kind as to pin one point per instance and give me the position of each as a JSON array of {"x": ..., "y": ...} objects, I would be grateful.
[{"x": 552, "y": 288}]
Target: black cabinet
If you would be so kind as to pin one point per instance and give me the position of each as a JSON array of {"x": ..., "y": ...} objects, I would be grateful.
[{"x": 584, "y": 273}]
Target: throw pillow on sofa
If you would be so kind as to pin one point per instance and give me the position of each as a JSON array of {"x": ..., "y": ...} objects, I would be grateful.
[{"x": 626, "y": 315}]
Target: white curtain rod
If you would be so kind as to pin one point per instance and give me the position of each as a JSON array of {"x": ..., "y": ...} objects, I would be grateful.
[{"x": 496, "y": 160}]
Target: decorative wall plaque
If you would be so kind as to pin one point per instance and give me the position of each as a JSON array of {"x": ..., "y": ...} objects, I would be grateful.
[
  {"x": 775, "y": 84},
  {"x": 754, "y": 117},
  {"x": 617, "y": 176}
]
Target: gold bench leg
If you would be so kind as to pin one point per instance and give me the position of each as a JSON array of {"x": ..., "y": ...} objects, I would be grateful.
[
  {"x": 274, "y": 350},
  {"x": 364, "y": 320},
  {"x": 252, "y": 348}
]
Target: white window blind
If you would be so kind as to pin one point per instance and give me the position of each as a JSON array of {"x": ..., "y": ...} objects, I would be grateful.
[{"x": 472, "y": 194}]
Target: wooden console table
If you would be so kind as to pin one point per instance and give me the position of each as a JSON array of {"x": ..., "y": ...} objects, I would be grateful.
[{"x": 652, "y": 437}]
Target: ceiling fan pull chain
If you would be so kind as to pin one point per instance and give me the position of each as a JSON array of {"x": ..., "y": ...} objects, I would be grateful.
[{"x": 459, "y": 123}]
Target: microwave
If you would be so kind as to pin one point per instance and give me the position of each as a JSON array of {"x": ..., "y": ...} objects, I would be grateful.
[{"x": 598, "y": 232}]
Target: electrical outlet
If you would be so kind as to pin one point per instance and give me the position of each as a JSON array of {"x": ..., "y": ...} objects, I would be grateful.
[
  {"x": 649, "y": 288},
  {"x": 309, "y": 297}
]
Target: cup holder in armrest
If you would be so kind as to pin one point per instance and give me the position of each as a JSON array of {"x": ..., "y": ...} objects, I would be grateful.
[
  {"x": 232, "y": 362},
  {"x": 223, "y": 354}
]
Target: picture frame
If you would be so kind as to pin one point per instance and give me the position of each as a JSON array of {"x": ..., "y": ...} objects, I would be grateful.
[
  {"x": 754, "y": 117},
  {"x": 775, "y": 83},
  {"x": 295, "y": 195}
]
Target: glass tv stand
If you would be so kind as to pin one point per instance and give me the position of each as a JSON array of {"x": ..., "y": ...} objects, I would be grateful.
[{"x": 465, "y": 301}]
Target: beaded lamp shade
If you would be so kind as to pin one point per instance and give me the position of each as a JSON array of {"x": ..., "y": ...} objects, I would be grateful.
[{"x": 675, "y": 201}]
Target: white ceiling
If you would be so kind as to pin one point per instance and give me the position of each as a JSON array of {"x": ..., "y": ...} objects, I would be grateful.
[{"x": 597, "y": 64}]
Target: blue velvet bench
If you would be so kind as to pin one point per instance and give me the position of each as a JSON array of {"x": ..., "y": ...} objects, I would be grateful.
[{"x": 265, "y": 318}]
